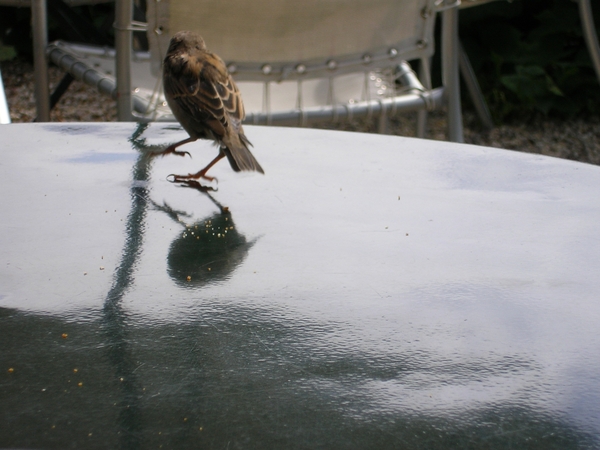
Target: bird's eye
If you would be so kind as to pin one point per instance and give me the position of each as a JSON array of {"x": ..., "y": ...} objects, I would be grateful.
[{"x": 193, "y": 87}]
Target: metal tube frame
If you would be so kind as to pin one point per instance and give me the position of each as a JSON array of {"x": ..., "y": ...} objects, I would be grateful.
[
  {"x": 82, "y": 72},
  {"x": 589, "y": 33},
  {"x": 123, "y": 43},
  {"x": 450, "y": 72},
  {"x": 418, "y": 98},
  {"x": 468, "y": 74},
  {"x": 425, "y": 75},
  {"x": 40, "y": 42},
  {"x": 407, "y": 102}
]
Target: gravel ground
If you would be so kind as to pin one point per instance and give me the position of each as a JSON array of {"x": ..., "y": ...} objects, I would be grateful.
[{"x": 576, "y": 139}]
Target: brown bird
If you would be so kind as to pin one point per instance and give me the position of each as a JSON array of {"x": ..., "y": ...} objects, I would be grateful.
[{"x": 206, "y": 102}]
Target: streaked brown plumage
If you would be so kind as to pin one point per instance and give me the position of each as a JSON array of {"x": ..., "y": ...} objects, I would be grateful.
[{"x": 206, "y": 102}]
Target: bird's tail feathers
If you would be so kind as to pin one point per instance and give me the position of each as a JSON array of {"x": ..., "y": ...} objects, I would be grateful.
[{"x": 239, "y": 155}]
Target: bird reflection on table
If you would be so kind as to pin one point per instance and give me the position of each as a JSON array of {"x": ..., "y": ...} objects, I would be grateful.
[
  {"x": 206, "y": 251},
  {"x": 193, "y": 261}
]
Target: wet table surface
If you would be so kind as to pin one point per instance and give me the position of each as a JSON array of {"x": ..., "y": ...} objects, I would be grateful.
[{"x": 367, "y": 292}]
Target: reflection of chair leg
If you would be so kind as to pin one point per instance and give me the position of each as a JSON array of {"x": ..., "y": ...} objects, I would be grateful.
[
  {"x": 475, "y": 93},
  {"x": 589, "y": 32}
]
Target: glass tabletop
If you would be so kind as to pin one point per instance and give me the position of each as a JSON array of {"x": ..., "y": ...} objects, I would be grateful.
[{"x": 366, "y": 292}]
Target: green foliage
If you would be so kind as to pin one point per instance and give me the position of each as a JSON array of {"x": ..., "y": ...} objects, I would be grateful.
[
  {"x": 7, "y": 52},
  {"x": 530, "y": 58}
]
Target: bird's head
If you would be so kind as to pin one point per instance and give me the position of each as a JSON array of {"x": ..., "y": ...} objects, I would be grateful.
[{"x": 186, "y": 41}]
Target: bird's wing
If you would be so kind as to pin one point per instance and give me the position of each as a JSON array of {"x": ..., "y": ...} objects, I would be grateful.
[{"x": 206, "y": 92}]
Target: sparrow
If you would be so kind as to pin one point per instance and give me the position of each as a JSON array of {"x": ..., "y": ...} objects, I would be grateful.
[{"x": 206, "y": 102}]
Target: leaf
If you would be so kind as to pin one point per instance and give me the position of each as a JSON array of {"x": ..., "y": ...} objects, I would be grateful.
[
  {"x": 528, "y": 82},
  {"x": 552, "y": 87},
  {"x": 531, "y": 71},
  {"x": 7, "y": 52}
]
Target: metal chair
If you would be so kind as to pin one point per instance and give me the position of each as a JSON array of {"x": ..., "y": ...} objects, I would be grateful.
[
  {"x": 293, "y": 61},
  {"x": 420, "y": 96}
]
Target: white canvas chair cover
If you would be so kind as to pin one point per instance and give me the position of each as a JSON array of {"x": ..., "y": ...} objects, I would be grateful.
[
  {"x": 286, "y": 39},
  {"x": 298, "y": 56}
]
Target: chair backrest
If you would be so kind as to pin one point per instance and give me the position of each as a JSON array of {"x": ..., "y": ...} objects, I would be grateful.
[{"x": 291, "y": 39}]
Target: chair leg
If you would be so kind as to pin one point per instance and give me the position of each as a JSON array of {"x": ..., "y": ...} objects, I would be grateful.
[
  {"x": 421, "y": 124},
  {"x": 450, "y": 73},
  {"x": 61, "y": 89},
  {"x": 123, "y": 42},
  {"x": 589, "y": 32},
  {"x": 383, "y": 123},
  {"x": 425, "y": 77},
  {"x": 39, "y": 21},
  {"x": 466, "y": 70}
]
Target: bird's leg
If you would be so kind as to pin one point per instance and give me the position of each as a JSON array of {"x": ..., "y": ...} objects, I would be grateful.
[
  {"x": 200, "y": 174},
  {"x": 171, "y": 148}
]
